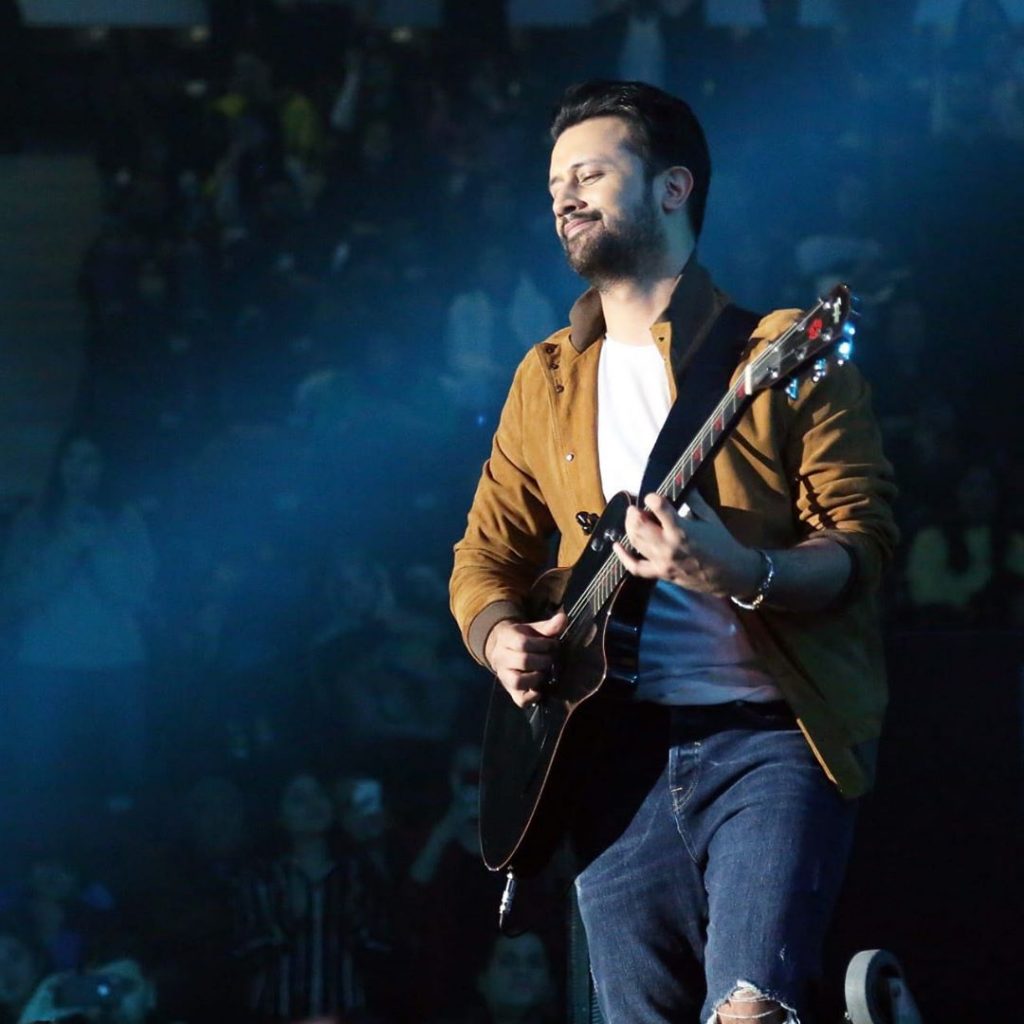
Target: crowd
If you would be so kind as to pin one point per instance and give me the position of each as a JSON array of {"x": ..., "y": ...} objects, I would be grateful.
[{"x": 241, "y": 727}]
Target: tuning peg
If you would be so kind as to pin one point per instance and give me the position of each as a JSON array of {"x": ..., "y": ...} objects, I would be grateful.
[
  {"x": 793, "y": 389},
  {"x": 820, "y": 370}
]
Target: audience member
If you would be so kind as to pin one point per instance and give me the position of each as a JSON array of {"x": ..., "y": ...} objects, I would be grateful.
[
  {"x": 968, "y": 570},
  {"x": 65, "y": 917},
  {"x": 516, "y": 985},
  {"x": 115, "y": 991},
  {"x": 312, "y": 938},
  {"x": 78, "y": 570},
  {"x": 455, "y": 899}
]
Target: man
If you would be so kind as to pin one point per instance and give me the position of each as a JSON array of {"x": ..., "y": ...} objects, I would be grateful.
[{"x": 715, "y": 824}]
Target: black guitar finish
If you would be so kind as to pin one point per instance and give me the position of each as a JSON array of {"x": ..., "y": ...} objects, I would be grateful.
[{"x": 525, "y": 792}]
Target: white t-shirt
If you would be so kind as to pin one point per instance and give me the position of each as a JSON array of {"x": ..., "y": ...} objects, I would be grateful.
[{"x": 693, "y": 649}]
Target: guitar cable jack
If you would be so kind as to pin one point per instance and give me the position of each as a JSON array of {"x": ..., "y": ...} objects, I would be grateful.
[{"x": 507, "y": 898}]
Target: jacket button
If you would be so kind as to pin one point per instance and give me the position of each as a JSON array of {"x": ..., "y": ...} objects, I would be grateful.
[
  {"x": 554, "y": 365},
  {"x": 549, "y": 348},
  {"x": 570, "y": 456},
  {"x": 559, "y": 388}
]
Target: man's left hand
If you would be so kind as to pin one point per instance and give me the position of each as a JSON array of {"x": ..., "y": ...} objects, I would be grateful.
[{"x": 696, "y": 553}]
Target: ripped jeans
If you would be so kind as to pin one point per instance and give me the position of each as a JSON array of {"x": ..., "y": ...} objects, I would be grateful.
[{"x": 713, "y": 850}]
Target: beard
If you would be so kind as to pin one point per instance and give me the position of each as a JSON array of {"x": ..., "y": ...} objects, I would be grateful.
[{"x": 605, "y": 254}]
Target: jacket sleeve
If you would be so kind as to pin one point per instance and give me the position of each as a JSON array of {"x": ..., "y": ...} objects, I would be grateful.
[
  {"x": 842, "y": 483},
  {"x": 505, "y": 545}
]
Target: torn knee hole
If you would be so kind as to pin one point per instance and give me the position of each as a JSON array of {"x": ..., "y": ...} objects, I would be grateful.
[{"x": 746, "y": 1003}]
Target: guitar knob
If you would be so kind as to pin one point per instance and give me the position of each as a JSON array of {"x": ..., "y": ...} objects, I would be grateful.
[
  {"x": 820, "y": 371},
  {"x": 793, "y": 389}
]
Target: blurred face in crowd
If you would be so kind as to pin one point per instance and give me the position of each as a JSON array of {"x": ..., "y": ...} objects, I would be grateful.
[
  {"x": 361, "y": 808},
  {"x": 80, "y": 470},
  {"x": 606, "y": 216},
  {"x": 306, "y": 809},
  {"x": 517, "y": 977},
  {"x": 19, "y": 972}
]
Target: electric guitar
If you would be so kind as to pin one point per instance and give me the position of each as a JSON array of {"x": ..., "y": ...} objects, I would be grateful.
[{"x": 533, "y": 756}]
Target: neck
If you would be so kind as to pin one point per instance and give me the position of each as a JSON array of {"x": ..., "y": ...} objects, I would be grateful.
[{"x": 631, "y": 307}]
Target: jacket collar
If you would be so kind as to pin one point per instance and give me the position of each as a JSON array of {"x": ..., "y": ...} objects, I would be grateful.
[{"x": 693, "y": 308}]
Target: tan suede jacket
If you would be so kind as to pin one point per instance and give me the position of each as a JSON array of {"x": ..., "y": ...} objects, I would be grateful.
[{"x": 791, "y": 468}]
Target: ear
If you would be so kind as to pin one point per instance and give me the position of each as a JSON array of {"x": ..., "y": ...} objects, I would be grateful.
[{"x": 678, "y": 184}]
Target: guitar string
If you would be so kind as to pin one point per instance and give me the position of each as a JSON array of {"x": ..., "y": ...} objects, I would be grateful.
[
  {"x": 612, "y": 564},
  {"x": 604, "y": 575}
]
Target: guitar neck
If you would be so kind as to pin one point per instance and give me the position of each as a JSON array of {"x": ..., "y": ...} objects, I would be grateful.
[{"x": 708, "y": 440}]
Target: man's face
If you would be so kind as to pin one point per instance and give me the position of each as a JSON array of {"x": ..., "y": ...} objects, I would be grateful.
[
  {"x": 306, "y": 809},
  {"x": 606, "y": 216}
]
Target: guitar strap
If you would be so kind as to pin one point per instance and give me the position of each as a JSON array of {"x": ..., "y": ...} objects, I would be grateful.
[{"x": 699, "y": 390}]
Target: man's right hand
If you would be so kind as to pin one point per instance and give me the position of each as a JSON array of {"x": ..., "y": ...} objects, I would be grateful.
[{"x": 521, "y": 655}]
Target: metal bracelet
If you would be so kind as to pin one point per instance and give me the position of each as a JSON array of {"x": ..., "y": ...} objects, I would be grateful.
[{"x": 762, "y": 588}]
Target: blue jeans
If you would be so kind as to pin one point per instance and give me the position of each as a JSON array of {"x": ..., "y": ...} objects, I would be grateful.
[{"x": 714, "y": 848}]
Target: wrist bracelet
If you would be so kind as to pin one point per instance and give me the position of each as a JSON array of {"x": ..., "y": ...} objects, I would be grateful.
[{"x": 763, "y": 587}]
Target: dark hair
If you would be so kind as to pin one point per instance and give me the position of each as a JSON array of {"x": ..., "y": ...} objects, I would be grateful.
[{"x": 664, "y": 131}]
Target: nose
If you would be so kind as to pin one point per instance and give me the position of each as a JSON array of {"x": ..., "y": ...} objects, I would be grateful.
[{"x": 564, "y": 200}]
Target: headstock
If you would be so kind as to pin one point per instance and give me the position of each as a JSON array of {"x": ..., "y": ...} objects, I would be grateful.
[{"x": 821, "y": 332}]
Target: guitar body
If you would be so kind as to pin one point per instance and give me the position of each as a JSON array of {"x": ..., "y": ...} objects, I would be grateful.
[{"x": 533, "y": 757}]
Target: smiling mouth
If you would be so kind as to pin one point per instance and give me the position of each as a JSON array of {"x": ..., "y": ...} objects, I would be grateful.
[{"x": 573, "y": 227}]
